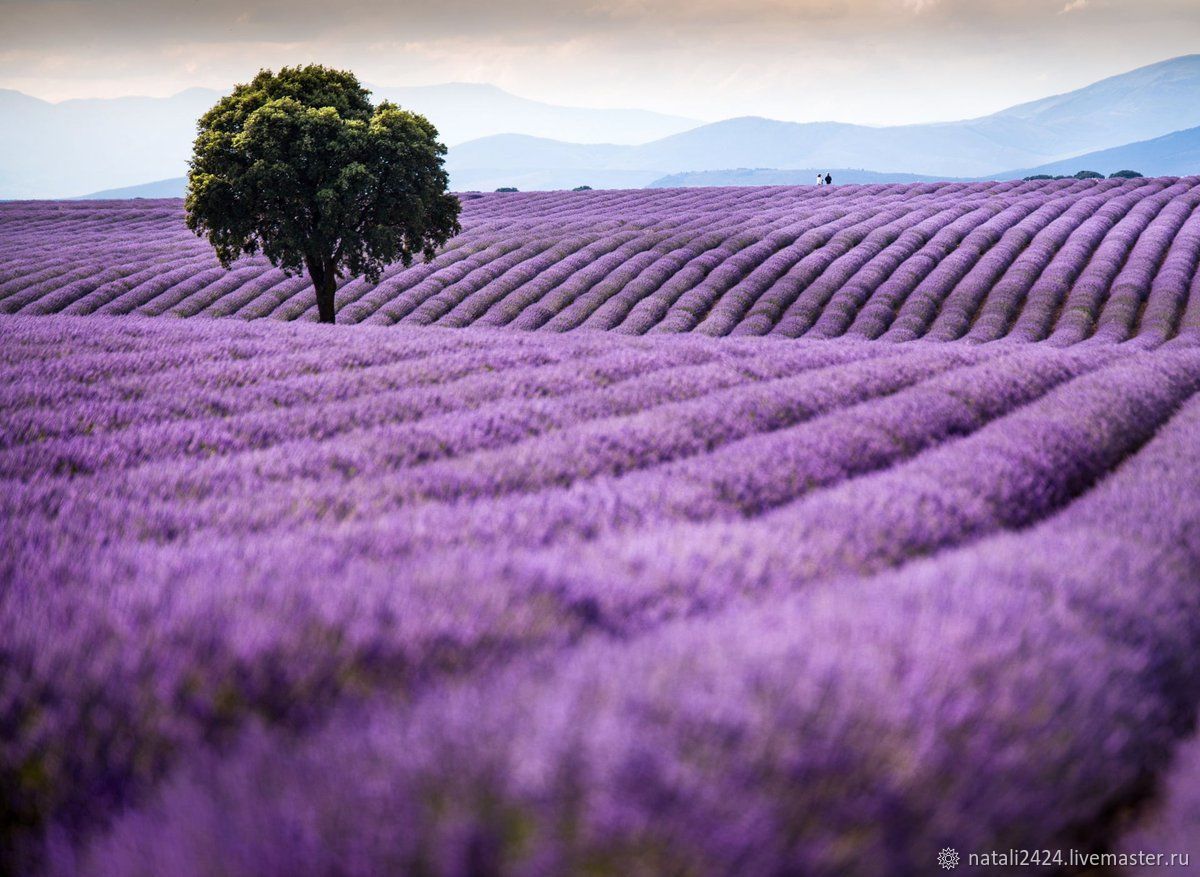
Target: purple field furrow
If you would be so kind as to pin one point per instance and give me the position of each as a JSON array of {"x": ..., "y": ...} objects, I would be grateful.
[
  {"x": 999, "y": 236},
  {"x": 1008, "y": 474},
  {"x": 764, "y": 306},
  {"x": 707, "y": 532},
  {"x": 560, "y": 399},
  {"x": 204, "y": 432},
  {"x": 612, "y": 291},
  {"x": 143, "y": 406},
  {"x": 893, "y": 248},
  {"x": 1048, "y": 252},
  {"x": 743, "y": 479},
  {"x": 309, "y": 498}
]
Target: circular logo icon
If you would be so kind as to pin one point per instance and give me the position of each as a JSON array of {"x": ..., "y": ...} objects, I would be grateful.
[{"x": 948, "y": 859}]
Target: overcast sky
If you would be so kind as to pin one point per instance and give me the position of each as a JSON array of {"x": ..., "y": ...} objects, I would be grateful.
[{"x": 867, "y": 61}]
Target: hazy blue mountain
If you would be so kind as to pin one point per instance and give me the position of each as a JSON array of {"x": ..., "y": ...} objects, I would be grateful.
[
  {"x": 1174, "y": 155},
  {"x": 63, "y": 149},
  {"x": 1138, "y": 105},
  {"x": 522, "y": 152},
  {"x": 464, "y": 111},
  {"x": 935, "y": 150},
  {"x": 171, "y": 188},
  {"x": 775, "y": 177}
]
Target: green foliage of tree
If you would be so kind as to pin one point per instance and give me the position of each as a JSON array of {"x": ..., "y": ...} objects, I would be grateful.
[
  {"x": 1089, "y": 175},
  {"x": 300, "y": 166},
  {"x": 507, "y": 189},
  {"x": 1125, "y": 175}
]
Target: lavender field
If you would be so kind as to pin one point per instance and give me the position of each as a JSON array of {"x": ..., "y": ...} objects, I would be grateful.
[
  {"x": 919, "y": 569},
  {"x": 1061, "y": 260}
]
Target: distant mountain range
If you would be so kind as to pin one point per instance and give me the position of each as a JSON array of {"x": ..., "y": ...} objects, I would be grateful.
[
  {"x": 466, "y": 111},
  {"x": 63, "y": 149},
  {"x": 169, "y": 188},
  {"x": 1136, "y": 106},
  {"x": 83, "y": 146},
  {"x": 776, "y": 177},
  {"x": 1173, "y": 155}
]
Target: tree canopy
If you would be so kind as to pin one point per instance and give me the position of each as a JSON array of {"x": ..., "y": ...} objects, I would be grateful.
[{"x": 300, "y": 166}]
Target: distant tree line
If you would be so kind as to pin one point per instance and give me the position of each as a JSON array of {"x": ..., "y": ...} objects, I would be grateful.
[
  {"x": 1087, "y": 175},
  {"x": 515, "y": 189}
]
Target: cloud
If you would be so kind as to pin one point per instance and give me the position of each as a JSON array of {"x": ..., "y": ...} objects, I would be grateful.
[{"x": 872, "y": 61}]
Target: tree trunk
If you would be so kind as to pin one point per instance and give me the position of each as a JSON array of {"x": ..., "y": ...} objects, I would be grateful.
[
  {"x": 325, "y": 283},
  {"x": 325, "y": 293}
]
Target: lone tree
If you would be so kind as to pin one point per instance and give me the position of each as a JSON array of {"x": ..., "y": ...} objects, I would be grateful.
[{"x": 300, "y": 165}]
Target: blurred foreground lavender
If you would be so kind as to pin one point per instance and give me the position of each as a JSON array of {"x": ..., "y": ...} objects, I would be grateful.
[{"x": 301, "y": 600}]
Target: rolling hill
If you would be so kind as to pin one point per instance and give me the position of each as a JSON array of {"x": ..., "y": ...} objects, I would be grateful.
[{"x": 984, "y": 261}]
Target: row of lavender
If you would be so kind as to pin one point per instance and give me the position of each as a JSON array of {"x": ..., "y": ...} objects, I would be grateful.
[
  {"x": 1066, "y": 260},
  {"x": 584, "y": 604}
]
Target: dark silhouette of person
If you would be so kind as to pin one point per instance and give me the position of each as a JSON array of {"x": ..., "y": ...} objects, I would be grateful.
[{"x": 828, "y": 180}]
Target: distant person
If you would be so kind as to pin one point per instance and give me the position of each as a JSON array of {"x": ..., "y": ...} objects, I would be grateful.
[
  {"x": 828, "y": 180},
  {"x": 820, "y": 180}
]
